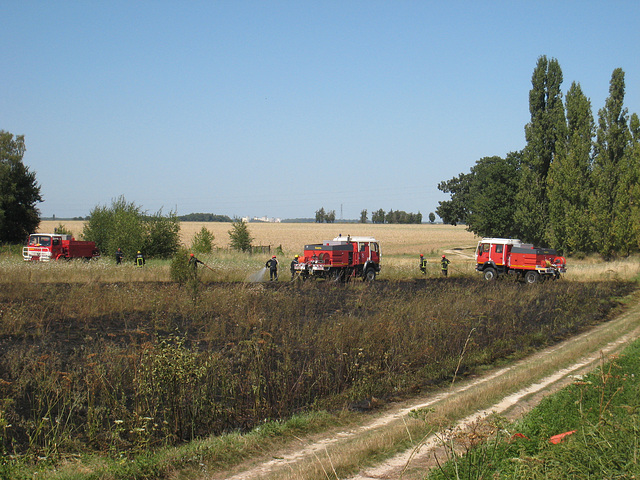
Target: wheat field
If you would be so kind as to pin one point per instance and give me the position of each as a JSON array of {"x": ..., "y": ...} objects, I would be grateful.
[
  {"x": 411, "y": 240},
  {"x": 400, "y": 245}
]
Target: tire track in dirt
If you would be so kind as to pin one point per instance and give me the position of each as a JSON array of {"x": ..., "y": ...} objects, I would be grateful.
[
  {"x": 430, "y": 452},
  {"x": 413, "y": 463}
]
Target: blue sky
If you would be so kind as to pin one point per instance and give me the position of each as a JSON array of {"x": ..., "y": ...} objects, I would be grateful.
[{"x": 254, "y": 108}]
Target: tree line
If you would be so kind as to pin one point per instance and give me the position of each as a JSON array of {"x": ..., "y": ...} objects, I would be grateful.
[
  {"x": 204, "y": 217},
  {"x": 575, "y": 184},
  {"x": 379, "y": 216}
]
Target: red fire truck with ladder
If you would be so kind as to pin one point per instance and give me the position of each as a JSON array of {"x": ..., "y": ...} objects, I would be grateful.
[
  {"x": 54, "y": 246},
  {"x": 341, "y": 259},
  {"x": 497, "y": 256}
]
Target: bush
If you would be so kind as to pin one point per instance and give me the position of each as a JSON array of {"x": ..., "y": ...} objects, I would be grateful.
[
  {"x": 179, "y": 269},
  {"x": 124, "y": 225}
]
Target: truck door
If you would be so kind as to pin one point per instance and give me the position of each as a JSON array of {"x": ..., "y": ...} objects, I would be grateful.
[{"x": 482, "y": 255}]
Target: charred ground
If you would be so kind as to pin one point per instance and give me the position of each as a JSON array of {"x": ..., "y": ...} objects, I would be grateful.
[{"x": 174, "y": 363}]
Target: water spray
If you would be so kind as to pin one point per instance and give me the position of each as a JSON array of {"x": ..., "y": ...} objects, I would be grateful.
[{"x": 257, "y": 276}]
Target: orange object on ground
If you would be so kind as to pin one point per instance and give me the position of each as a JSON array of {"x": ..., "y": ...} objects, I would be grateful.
[{"x": 560, "y": 437}]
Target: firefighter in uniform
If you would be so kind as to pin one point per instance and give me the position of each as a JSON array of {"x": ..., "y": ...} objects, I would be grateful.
[
  {"x": 294, "y": 262},
  {"x": 423, "y": 264},
  {"x": 272, "y": 265},
  {"x": 139, "y": 260},
  {"x": 119, "y": 256},
  {"x": 193, "y": 264},
  {"x": 445, "y": 265}
]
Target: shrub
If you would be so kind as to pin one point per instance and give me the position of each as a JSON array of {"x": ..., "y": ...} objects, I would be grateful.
[{"x": 179, "y": 268}]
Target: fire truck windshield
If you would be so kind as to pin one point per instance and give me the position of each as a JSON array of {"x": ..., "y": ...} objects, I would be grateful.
[{"x": 41, "y": 240}]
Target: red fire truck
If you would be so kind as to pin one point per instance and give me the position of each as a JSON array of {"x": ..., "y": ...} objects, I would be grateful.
[
  {"x": 497, "y": 256},
  {"x": 53, "y": 246},
  {"x": 341, "y": 259}
]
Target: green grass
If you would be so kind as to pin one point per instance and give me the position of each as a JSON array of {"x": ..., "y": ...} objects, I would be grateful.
[{"x": 603, "y": 409}]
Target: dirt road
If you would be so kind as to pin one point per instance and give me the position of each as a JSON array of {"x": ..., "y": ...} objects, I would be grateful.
[{"x": 509, "y": 391}]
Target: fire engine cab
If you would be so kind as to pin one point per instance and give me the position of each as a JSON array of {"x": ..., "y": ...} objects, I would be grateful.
[
  {"x": 341, "y": 259},
  {"x": 53, "y": 246},
  {"x": 497, "y": 256}
]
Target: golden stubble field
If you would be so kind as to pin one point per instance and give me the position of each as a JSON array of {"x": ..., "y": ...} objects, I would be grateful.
[
  {"x": 401, "y": 245},
  {"x": 394, "y": 239}
]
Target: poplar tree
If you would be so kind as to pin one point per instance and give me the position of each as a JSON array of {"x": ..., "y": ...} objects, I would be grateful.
[
  {"x": 634, "y": 125},
  {"x": 544, "y": 134},
  {"x": 613, "y": 175},
  {"x": 568, "y": 181}
]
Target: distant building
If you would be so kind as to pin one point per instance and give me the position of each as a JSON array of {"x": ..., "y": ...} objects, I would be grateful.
[{"x": 265, "y": 219}]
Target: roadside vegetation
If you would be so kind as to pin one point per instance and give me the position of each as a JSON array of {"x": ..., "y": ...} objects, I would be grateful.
[{"x": 588, "y": 430}]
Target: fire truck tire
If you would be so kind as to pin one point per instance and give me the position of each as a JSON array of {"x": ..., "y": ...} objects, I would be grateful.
[
  {"x": 369, "y": 275},
  {"x": 531, "y": 277},
  {"x": 490, "y": 274}
]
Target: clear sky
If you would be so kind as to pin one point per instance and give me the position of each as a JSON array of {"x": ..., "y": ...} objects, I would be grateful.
[{"x": 278, "y": 108}]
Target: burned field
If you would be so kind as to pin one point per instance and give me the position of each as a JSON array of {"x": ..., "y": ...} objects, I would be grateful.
[{"x": 121, "y": 366}]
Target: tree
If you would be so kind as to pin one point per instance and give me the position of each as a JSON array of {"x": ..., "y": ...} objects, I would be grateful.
[
  {"x": 635, "y": 190},
  {"x": 378, "y": 216},
  {"x": 202, "y": 241},
  {"x": 569, "y": 179},
  {"x": 19, "y": 191},
  {"x": 544, "y": 134},
  {"x": 455, "y": 211},
  {"x": 116, "y": 226},
  {"x": 613, "y": 174},
  {"x": 391, "y": 217},
  {"x": 363, "y": 216},
  {"x": 320, "y": 215},
  {"x": 162, "y": 234},
  {"x": 330, "y": 217},
  {"x": 432, "y": 217},
  {"x": 239, "y": 235},
  {"x": 483, "y": 198},
  {"x": 124, "y": 225}
]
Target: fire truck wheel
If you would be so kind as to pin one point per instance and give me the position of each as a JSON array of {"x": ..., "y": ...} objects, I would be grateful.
[
  {"x": 489, "y": 274},
  {"x": 531, "y": 277},
  {"x": 369, "y": 275}
]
